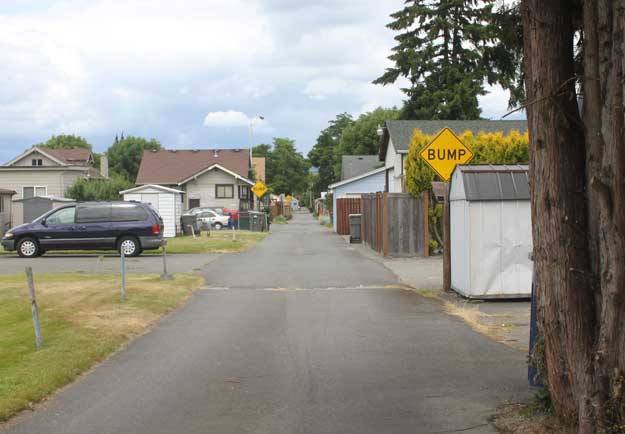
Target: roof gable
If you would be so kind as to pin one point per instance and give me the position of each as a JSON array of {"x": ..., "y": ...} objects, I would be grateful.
[
  {"x": 354, "y": 165},
  {"x": 176, "y": 166},
  {"x": 356, "y": 178},
  {"x": 400, "y": 132},
  {"x": 62, "y": 157}
]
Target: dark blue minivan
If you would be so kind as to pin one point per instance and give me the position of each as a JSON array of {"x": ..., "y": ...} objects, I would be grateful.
[{"x": 130, "y": 227}]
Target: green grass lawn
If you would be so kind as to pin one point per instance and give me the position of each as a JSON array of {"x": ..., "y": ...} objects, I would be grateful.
[
  {"x": 82, "y": 322},
  {"x": 218, "y": 242}
]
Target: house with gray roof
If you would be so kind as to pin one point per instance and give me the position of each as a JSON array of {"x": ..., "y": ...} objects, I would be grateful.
[
  {"x": 354, "y": 165},
  {"x": 396, "y": 136}
]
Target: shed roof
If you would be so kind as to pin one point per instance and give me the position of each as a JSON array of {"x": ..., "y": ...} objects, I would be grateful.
[
  {"x": 153, "y": 186},
  {"x": 356, "y": 178},
  {"x": 354, "y": 165},
  {"x": 400, "y": 132},
  {"x": 6, "y": 191},
  {"x": 495, "y": 182}
]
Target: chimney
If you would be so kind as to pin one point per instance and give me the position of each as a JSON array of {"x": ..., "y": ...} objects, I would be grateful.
[{"x": 104, "y": 166}]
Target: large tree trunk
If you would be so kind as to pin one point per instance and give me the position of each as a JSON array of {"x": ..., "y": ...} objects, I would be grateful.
[{"x": 577, "y": 172}]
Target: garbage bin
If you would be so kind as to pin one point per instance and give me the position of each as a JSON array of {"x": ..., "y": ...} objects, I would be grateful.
[
  {"x": 354, "y": 228},
  {"x": 188, "y": 222},
  {"x": 244, "y": 220},
  {"x": 257, "y": 221}
]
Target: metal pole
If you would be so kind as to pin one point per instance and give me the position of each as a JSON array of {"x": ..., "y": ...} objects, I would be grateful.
[
  {"x": 123, "y": 267},
  {"x": 234, "y": 234},
  {"x": 33, "y": 307}
]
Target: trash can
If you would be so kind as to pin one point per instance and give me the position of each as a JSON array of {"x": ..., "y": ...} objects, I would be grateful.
[
  {"x": 354, "y": 228},
  {"x": 244, "y": 220},
  {"x": 188, "y": 222},
  {"x": 257, "y": 221}
]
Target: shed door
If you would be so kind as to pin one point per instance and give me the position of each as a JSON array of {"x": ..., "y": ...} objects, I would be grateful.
[
  {"x": 151, "y": 198},
  {"x": 34, "y": 208}
]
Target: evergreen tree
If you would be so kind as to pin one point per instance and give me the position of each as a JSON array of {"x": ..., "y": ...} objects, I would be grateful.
[{"x": 447, "y": 49}]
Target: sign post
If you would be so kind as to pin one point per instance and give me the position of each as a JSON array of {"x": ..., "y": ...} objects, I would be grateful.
[{"x": 443, "y": 154}]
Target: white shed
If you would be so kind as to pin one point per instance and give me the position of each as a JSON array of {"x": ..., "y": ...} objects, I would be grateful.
[
  {"x": 167, "y": 201},
  {"x": 491, "y": 231}
]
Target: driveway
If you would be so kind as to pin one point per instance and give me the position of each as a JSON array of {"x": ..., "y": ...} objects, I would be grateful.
[
  {"x": 105, "y": 263},
  {"x": 298, "y": 335}
]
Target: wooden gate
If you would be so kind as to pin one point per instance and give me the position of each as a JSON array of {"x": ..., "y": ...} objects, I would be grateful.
[{"x": 345, "y": 207}]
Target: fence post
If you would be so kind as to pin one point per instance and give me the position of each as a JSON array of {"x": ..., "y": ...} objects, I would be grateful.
[
  {"x": 426, "y": 223},
  {"x": 165, "y": 275},
  {"x": 123, "y": 270},
  {"x": 447, "y": 242},
  {"x": 385, "y": 224},
  {"x": 234, "y": 234},
  {"x": 33, "y": 306}
]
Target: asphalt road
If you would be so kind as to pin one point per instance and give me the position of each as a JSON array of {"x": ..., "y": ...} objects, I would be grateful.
[
  {"x": 105, "y": 263},
  {"x": 298, "y": 335}
]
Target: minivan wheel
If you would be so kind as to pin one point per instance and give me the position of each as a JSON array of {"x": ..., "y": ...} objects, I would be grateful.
[
  {"x": 28, "y": 248},
  {"x": 130, "y": 246}
]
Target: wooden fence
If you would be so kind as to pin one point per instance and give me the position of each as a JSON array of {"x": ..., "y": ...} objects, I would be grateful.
[
  {"x": 345, "y": 207},
  {"x": 396, "y": 224},
  {"x": 282, "y": 209}
]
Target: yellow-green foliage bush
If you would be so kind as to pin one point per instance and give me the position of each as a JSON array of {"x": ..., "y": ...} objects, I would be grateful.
[{"x": 488, "y": 148}]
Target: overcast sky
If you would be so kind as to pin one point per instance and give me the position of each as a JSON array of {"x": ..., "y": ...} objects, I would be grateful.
[{"x": 191, "y": 73}]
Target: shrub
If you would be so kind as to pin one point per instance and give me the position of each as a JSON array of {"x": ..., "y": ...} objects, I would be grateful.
[
  {"x": 98, "y": 188},
  {"x": 488, "y": 148}
]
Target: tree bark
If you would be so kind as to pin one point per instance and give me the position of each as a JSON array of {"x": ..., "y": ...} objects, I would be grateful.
[{"x": 577, "y": 182}]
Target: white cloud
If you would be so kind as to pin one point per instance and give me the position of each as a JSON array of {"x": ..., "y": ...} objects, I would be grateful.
[
  {"x": 228, "y": 118},
  {"x": 234, "y": 119}
]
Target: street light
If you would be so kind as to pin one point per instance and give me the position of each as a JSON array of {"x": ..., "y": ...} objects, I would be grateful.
[{"x": 257, "y": 117}]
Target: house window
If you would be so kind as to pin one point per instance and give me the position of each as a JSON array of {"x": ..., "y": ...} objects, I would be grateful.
[
  {"x": 224, "y": 191},
  {"x": 194, "y": 203},
  {"x": 36, "y": 162},
  {"x": 34, "y": 191},
  {"x": 244, "y": 192},
  {"x": 1, "y": 204}
]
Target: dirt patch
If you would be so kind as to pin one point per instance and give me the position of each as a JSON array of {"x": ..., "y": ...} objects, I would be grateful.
[
  {"x": 515, "y": 419},
  {"x": 507, "y": 322}
]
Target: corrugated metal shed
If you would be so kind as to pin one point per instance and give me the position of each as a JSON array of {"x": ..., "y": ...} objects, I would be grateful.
[{"x": 491, "y": 231}]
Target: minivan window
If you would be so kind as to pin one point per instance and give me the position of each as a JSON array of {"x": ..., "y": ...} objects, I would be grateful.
[
  {"x": 93, "y": 213},
  {"x": 128, "y": 212},
  {"x": 64, "y": 216}
]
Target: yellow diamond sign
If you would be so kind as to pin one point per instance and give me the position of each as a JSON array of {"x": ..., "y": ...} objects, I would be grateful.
[
  {"x": 445, "y": 152},
  {"x": 259, "y": 189}
]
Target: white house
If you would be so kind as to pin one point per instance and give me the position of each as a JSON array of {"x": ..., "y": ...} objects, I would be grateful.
[
  {"x": 491, "y": 231},
  {"x": 167, "y": 201},
  {"x": 397, "y": 135},
  {"x": 369, "y": 182}
]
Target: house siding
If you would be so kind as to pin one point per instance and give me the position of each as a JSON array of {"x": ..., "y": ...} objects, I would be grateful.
[
  {"x": 394, "y": 163},
  {"x": 203, "y": 188},
  {"x": 26, "y": 161},
  {"x": 17, "y": 179},
  {"x": 370, "y": 184}
]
